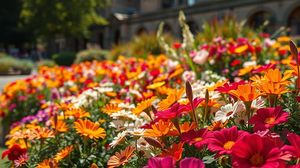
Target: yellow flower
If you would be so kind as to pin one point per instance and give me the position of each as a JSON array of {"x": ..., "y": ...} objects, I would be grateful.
[
  {"x": 89, "y": 129},
  {"x": 143, "y": 106},
  {"x": 241, "y": 49},
  {"x": 156, "y": 85},
  {"x": 111, "y": 108}
]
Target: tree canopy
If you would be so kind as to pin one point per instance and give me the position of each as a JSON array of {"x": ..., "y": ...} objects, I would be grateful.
[{"x": 47, "y": 18}]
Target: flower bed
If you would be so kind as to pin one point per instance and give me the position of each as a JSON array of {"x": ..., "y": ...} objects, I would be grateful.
[{"x": 227, "y": 103}]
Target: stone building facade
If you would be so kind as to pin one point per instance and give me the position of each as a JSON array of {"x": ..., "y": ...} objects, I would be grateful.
[{"x": 132, "y": 17}]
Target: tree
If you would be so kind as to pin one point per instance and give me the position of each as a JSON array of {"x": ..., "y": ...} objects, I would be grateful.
[{"x": 68, "y": 18}]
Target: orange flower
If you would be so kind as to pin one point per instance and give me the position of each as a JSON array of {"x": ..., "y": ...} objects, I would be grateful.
[
  {"x": 60, "y": 126},
  {"x": 216, "y": 126},
  {"x": 42, "y": 133},
  {"x": 48, "y": 163},
  {"x": 172, "y": 98},
  {"x": 63, "y": 153},
  {"x": 175, "y": 151},
  {"x": 77, "y": 113},
  {"x": 245, "y": 92},
  {"x": 274, "y": 75},
  {"x": 159, "y": 128},
  {"x": 143, "y": 105},
  {"x": 111, "y": 108},
  {"x": 89, "y": 129},
  {"x": 120, "y": 158},
  {"x": 272, "y": 88}
]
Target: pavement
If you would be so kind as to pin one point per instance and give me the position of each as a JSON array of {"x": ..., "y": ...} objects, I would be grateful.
[{"x": 7, "y": 79}]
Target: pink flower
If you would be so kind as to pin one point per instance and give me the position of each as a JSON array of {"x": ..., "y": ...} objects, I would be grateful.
[
  {"x": 222, "y": 141},
  {"x": 266, "y": 118},
  {"x": 191, "y": 163},
  {"x": 294, "y": 148},
  {"x": 256, "y": 151},
  {"x": 201, "y": 57},
  {"x": 197, "y": 138},
  {"x": 163, "y": 162}
]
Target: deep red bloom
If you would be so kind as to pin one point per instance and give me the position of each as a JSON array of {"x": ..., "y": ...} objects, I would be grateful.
[
  {"x": 14, "y": 152},
  {"x": 197, "y": 138},
  {"x": 294, "y": 148},
  {"x": 191, "y": 163},
  {"x": 222, "y": 141},
  {"x": 174, "y": 111},
  {"x": 264, "y": 68},
  {"x": 256, "y": 151},
  {"x": 266, "y": 118},
  {"x": 235, "y": 62},
  {"x": 177, "y": 45},
  {"x": 227, "y": 87},
  {"x": 165, "y": 162}
]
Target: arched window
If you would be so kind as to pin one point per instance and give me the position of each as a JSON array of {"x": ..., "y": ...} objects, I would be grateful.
[
  {"x": 258, "y": 19},
  {"x": 294, "y": 22},
  {"x": 141, "y": 30}
]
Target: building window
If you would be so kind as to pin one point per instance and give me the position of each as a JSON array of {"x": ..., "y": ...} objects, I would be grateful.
[
  {"x": 168, "y": 3},
  {"x": 294, "y": 22},
  {"x": 258, "y": 19}
]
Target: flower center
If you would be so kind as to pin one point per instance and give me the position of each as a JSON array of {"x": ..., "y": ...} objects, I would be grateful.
[
  {"x": 198, "y": 139},
  {"x": 228, "y": 114},
  {"x": 257, "y": 159},
  {"x": 270, "y": 120},
  {"x": 228, "y": 145}
]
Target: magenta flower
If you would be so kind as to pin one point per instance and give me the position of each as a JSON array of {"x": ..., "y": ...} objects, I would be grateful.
[
  {"x": 266, "y": 118},
  {"x": 196, "y": 138},
  {"x": 255, "y": 151},
  {"x": 222, "y": 141},
  {"x": 294, "y": 148},
  {"x": 160, "y": 162},
  {"x": 191, "y": 163}
]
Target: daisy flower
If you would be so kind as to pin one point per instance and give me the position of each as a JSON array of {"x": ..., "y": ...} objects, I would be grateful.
[
  {"x": 120, "y": 158},
  {"x": 228, "y": 111}
]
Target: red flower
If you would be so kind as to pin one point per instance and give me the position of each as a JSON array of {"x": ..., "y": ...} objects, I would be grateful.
[
  {"x": 177, "y": 45},
  {"x": 235, "y": 63},
  {"x": 294, "y": 148},
  {"x": 191, "y": 163},
  {"x": 255, "y": 151},
  {"x": 222, "y": 141},
  {"x": 266, "y": 118},
  {"x": 14, "y": 152},
  {"x": 227, "y": 87},
  {"x": 197, "y": 138},
  {"x": 264, "y": 68}
]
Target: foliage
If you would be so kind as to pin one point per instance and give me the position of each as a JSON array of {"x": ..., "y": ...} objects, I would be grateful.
[
  {"x": 90, "y": 55},
  {"x": 140, "y": 46},
  {"x": 11, "y": 65},
  {"x": 46, "y": 62},
  {"x": 65, "y": 58},
  {"x": 61, "y": 17}
]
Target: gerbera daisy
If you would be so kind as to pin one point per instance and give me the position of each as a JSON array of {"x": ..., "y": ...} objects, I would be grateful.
[
  {"x": 228, "y": 111},
  {"x": 48, "y": 163},
  {"x": 197, "y": 138},
  {"x": 256, "y": 151},
  {"x": 63, "y": 153},
  {"x": 266, "y": 118},
  {"x": 191, "y": 162},
  {"x": 22, "y": 160},
  {"x": 42, "y": 133},
  {"x": 175, "y": 151},
  {"x": 159, "y": 128},
  {"x": 14, "y": 152},
  {"x": 223, "y": 140},
  {"x": 77, "y": 113},
  {"x": 294, "y": 148},
  {"x": 171, "y": 99},
  {"x": 156, "y": 85},
  {"x": 245, "y": 92},
  {"x": 165, "y": 162},
  {"x": 111, "y": 108},
  {"x": 120, "y": 158},
  {"x": 59, "y": 126},
  {"x": 89, "y": 129},
  {"x": 143, "y": 106},
  {"x": 118, "y": 139}
]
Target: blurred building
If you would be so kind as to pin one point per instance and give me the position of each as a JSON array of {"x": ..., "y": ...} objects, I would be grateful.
[{"x": 132, "y": 17}]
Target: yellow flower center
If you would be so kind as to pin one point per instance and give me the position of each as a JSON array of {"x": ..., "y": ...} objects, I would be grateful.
[
  {"x": 198, "y": 139},
  {"x": 228, "y": 145},
  {"x": 270, "y": 120},
  {"x": 257, "y": 159}
]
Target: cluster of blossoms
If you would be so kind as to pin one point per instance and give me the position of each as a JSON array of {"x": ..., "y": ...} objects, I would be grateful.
[{"x": 152, "y": 113}]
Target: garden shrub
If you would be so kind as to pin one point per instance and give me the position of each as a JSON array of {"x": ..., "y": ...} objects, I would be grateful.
[
  {"x": 47, "y": 63},
  {"x": 90, "y": 55},
  {"x": 10, "y": 65},
  {"x": 64, "y": 58}
]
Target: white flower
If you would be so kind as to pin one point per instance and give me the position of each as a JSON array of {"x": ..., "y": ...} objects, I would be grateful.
[
  {"x": 249, "y": 63},
  {"x": 201, "y": 57},
  {"x": 258, "y": 103},
  {"x": 137, "y": 132},
  {"x": 189, "y": 76},
  {"x": 228, "y": 111},
  {"x": 268, "y": 42},
  {"x": 118, "y": 139}
]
